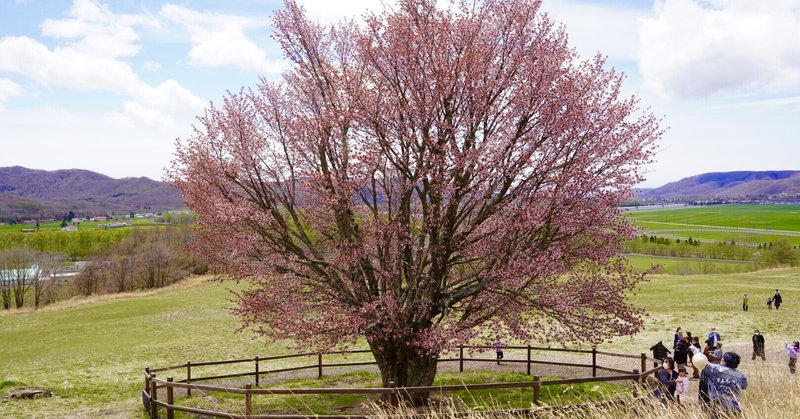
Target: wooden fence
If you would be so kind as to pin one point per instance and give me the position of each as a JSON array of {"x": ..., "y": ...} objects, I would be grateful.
[{"x": 153, "y": 383}]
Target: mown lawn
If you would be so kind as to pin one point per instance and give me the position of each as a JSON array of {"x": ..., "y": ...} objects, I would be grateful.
[{"x": 92, "y": 355}]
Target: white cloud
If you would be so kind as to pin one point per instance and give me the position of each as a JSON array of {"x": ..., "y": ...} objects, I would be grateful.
[
  {"x": 219, "y": 40},
  {"x": 97, "y": 31},
  {"x": 94, "y": 42},
  {"x": 152, "y": 106},
  {"x": 84, "y": 139},
  {"x": 7, "y": 89},
  {"x": 694, "y": 49},
  {"x": 593, "y": 28}
]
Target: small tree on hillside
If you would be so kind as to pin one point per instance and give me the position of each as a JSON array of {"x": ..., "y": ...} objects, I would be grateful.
[
  {"x": 426, "y": 179},
  {"x": 782, "y": 253},
  {"x": 18, "y": 273}
]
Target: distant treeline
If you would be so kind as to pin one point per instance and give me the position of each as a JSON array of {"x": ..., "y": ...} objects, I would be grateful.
[
  {"x": 115, "y": 261},
  {"x": 778, "y": 253}
]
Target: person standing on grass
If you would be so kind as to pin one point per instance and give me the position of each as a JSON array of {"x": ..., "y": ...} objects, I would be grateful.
[
  {"x": 682, "y": 384},
  {"x": 678, "y": 336},
  {"x": 725, "y": 384},
  {"x": 769, "y": 303},
  {"x": 716, "y": 354},
  {"x": 695, "y": 344},
  {"x": 681, "y": 354},
  {"x": 758, "y": 345},
  {"x": 714, "y": 337},
  {"x": 498, "y": 348},
  {"x": 792, "y": 350},
  {"x": 777, "y": 299},
  {"x": 745, "y": 300}
]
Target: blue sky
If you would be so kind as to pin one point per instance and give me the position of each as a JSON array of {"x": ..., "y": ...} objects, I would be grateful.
[{"x": 109, "y": 85}]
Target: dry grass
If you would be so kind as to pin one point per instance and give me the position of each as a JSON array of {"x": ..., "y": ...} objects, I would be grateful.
[{"x": 772, "y": 393}]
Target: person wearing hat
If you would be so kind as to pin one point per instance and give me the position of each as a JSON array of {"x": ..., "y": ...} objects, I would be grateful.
[{"x": 758, "y": 345}]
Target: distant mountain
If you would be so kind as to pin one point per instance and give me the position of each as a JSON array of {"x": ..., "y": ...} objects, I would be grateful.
[
  {"x": 40, "y": 194},
  {"x": 744, "y": 186}
]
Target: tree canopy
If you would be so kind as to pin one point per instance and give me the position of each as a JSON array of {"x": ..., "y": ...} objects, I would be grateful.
[{"x": 423, "y": 177}]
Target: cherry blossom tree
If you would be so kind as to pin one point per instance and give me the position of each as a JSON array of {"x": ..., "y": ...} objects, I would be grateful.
[{"x": 422, "y": 178}]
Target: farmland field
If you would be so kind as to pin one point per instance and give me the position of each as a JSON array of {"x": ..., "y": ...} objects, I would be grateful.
[
  {"x": 740, "y": 223},
  {"x": 85, "y": 225}
]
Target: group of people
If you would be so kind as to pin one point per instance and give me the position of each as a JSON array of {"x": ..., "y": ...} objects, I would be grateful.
[
  {"x": 776, "y": 299},
  {"x": 720, "y": 381}
]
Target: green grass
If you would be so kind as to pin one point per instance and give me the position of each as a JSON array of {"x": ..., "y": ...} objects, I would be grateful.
[
  {"x": 746, "y": 224},
  {"x": 86, "y": 225},
  {"x": 766, "y": 217},
  {"x": 514, "y": 398},
  {"x": 92, "y": 355},
  {"x": 689, "y": 266}
]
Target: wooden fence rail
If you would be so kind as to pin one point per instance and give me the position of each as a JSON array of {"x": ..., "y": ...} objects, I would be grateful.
[{"x": 154, "y": 383}]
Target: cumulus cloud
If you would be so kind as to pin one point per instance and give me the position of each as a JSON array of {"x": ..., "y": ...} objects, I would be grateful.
[
  {"x": 7, "y": 89},
  {"x": 695, "y": 49},
  {"x": 97, "y": 31},
  {"x": 220, "y": 40},
  {"x": 93, "y": 44}
]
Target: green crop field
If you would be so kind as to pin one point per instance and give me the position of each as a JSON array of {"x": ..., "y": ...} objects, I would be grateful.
[
  {"x": 747, "y": 224},
  {"x": 91, "y": 354},
  {"x": 85, "y": 225},
  {"x": 754, "y": 216}
]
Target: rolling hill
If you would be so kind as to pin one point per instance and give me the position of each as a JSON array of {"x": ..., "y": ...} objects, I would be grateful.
[
  {"x": 740, "y": 186},
  {"x": 39, "y": 194}
]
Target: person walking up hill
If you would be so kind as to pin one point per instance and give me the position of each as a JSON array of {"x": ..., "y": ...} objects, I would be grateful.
[
  {"x": 777, "y": 299},
  {"x": 758, "y": 345}
]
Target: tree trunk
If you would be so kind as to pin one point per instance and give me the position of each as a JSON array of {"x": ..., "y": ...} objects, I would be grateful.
[{"x": 406, "y": 366}]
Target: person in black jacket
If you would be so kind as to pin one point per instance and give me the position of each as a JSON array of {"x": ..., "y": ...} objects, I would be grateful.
[
  {"x": 758, "y": 345},
  {"x": 777, "y": 299},
  {"x": 681, "y": 354}
]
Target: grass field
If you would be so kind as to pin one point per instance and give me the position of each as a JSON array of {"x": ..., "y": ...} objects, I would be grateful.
[
  {"x": 92, "y": 353},
  {"x": 86, "y": 225},
  {"x": 765, "y": 217},
  {"x": 689, "y": 266},
  {"x": 750, "y": 224}
]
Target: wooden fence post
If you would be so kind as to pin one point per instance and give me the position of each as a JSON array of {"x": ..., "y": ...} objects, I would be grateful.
[
  {"x": 153, "y": 397},
  {"x": 257, "y": 373},
  {"x": 393, "y": 399},
  {"x": 594, "y": 361},
  {"x": 638, "y": 384},
  {"x": 170, "y": 399},
  {"x": 529, "y": 359},
  {"x": 248, "y": 400},
  {"x": 147, "y": 379},
  {"x": 644, "y": 362},
  {"x": 537, "y": 390},
  {"x": 460, "y": 358},
  {"x": 188, "y": 378},
  {"x": 319, "y": 364}
]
